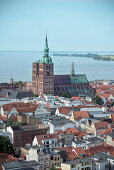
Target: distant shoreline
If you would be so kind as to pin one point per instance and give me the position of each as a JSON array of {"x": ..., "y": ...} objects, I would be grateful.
[
  {"x": 89, "y": 55},
  {"x": 99, "y": 55}
]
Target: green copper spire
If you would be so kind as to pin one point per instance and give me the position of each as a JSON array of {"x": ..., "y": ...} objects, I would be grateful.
[
  {"x": 46, "y": 58},
  {"x": 46, "y": 49}
]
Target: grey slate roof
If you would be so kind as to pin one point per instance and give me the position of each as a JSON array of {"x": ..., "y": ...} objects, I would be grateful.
[
  {"x": 19, "y": 165},
  {"x": 17, "y": 93},
  {"x": 79, "y": 141},
  {"x": 60, "y": 121}
]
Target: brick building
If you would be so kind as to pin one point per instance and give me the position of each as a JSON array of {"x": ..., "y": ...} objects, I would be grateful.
[
  {"x": 45, "y": 82},
  {"x": 24, "y": 135}
]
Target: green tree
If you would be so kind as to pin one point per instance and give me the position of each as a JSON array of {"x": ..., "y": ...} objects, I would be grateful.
[
  {"x": 11, "y": 123},
  {"x": 6, "y": 146},
  {"x": 97, "y": 100},
  {"x": 53, "y": 168},
  {"x": 35, "y": 95},
  {"x": 65, "y": 95}
]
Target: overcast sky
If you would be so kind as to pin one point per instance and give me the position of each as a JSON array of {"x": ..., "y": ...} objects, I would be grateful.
[{"x": 72, "y": 25}]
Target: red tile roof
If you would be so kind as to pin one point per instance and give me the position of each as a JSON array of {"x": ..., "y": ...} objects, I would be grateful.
[
  {"x": 105, "y": 95},
  {"x": 72, "y": 130},
  {"x": 67, "y": 110},
  {"x": 3, "y": 118},
  {"x": 5, "y": 157},
  {"x": 64, "y": 110},
  {"x": 47, "y": 104},
  {"x": 81, "y": 114},
  {"x": 104, "y": 133},
  {"x": 76, "y": 98},
  {"x": 101, "y": 125},
  {"x": 73, "y": 153},
  {"x": 79, "y": 151},
  {"x": 97, "y": 149},
  {"x": 81, "y": 135},
  {"x": 40, "y": 138},
  {"x": 21, "y": 107}
]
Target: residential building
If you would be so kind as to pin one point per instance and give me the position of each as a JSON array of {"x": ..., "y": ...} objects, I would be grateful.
[
  {"x": 24, "y": 135},
  {"x": 41, "y": 155},
  {"x": 7, "y": 110},
  {"x": 66, "y": 139},
  {"x": 60, "y": 123},
  {"x": 79, "y": 164},
  {"x": 80, "y": 143},
  {"x": 50, "y": 141},
  {"x": 56, "y": 160}
]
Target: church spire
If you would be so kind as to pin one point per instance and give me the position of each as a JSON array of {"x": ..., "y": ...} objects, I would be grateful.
[
  {"x": 46, "y": 49},
  {"x": 72, "y": 70}
]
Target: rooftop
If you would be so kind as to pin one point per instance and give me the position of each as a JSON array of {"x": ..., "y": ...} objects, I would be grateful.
[
  {"x": 77, "y": 161},
  {"x": 20, "y": 164},
  {"x": 28, "y": 127}
]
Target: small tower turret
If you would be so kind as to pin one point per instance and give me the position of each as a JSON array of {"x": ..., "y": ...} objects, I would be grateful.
[{"x": 72, "y": 70}]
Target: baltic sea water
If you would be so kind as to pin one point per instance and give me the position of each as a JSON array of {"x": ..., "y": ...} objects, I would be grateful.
[{"x": 18, "y": 65}]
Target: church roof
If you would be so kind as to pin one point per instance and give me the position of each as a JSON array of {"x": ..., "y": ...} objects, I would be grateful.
[
  {"x": 69, "y": 79},
  {"x": 62, "y": 79}
]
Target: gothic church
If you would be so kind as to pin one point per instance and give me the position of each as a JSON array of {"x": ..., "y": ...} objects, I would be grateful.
[{"x": 45, "y": 82}]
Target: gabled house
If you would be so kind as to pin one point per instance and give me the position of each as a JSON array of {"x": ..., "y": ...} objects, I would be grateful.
[
  {"x": 50, "y": 141},
  {"x": 77, "y": 115},
  {"x": 7, "y": 110},
  {"x": 63, "y": 111}
]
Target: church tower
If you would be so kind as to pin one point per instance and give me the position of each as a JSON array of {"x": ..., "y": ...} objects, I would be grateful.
[{"x": 43, "y": 74}]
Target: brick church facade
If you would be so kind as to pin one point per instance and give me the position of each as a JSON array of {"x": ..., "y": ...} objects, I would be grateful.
[{"x": 45, "y": 82}]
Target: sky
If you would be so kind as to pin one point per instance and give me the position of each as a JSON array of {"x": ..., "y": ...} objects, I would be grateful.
[{"x": 72, "y": 25}]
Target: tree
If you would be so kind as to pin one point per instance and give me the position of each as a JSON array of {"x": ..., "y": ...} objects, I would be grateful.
[
  {"x": 11, "y": 123},
  {"x": 97, "y": 100},
  {"x": 65, "y": 95},
  {"x": 35, "y": 95},
  {"x": 6, "y": 146},
  {"x": 53, "y": 168}
]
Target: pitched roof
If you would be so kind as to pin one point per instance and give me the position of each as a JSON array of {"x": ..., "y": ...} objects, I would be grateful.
[
  {"x": 81, "y": 114},
  {"x": 40, "y": 138},
  {"x": 5, "y": 157},
  {"x": 69, "y": 79},
  {"x": 64, "y": 110},
  {"x": 72, "y": 130},
  {"x": 105, "y": 95},
  {"x": 104, "y": 133},
  {"x": 96, "y": 149},
  {"x": 21, "y": 107},
  {"x": 79, "y": 151},
  {"x": 101, "y": 125},
  {"x": 81, "y": 135},
  {"x": 73, "y": 153},
  {"x": 4, "y": 119}
]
